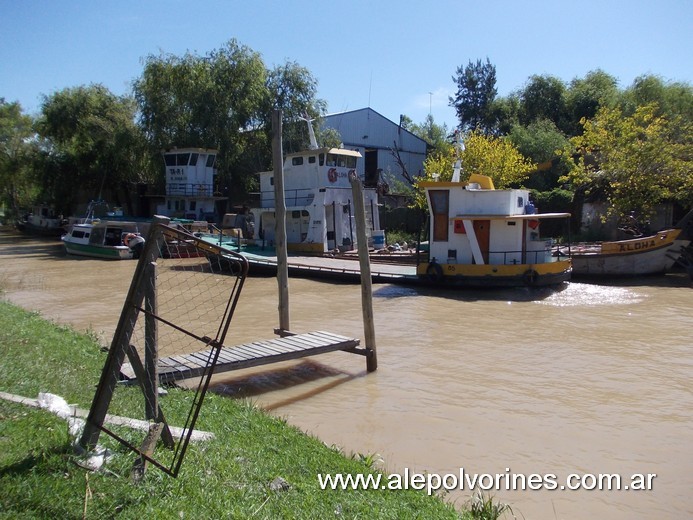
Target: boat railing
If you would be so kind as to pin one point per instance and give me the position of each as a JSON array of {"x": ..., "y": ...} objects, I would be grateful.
[
  {"x": 537, "y": 256},
  {"x": 295, "y": 197},
  {"x": 190, "y": 189}
]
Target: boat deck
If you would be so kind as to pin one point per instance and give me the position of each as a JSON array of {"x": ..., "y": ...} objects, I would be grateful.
[{"x": 248, "y": 355}]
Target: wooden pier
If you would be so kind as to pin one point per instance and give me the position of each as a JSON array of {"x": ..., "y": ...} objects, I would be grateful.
[{"x": 287, "y": 347}]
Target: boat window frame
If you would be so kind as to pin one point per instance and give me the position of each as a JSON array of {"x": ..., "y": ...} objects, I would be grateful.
[{"x": 440, "y": 210}]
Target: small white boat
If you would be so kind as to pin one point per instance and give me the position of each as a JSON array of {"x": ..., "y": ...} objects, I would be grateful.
[
  {"x": 113, "y": 240},
  {"x": 483, "y": 237},
  {"x": 42, "y": 221}
]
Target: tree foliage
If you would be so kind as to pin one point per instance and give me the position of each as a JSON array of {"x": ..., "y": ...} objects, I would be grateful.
[
  {"x": 476, "y": 91},
  {"x": 89, "y": 140},
  {"x": 483, "y": 154},
  {"x": 17, "y": 148},
  {"x": 224, "y": 101},
  {"x": 637, "y": 160}
]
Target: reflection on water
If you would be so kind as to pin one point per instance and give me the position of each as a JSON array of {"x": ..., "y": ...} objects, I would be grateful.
[{"x": 580, "y": 379}]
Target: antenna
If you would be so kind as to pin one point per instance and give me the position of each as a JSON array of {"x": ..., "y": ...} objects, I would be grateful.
[{"x": 370, "y": 84}]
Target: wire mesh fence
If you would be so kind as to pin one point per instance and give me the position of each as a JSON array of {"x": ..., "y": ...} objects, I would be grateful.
[{"x": 181, "y": 303}]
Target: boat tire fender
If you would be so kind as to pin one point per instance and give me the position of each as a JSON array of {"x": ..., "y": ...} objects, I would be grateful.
[
  {"x": 530, "y": 277},
  {"x": 434, "y": 272}
]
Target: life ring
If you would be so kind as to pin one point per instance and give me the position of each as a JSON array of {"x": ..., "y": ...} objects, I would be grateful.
[
  {"x": 434, "y": 272},
  {"x": 127, "y": 239},
  {"x": 530, "y": 277}
]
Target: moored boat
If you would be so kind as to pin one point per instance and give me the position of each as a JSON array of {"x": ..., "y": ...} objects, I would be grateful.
[
  {"x": 318, "y": 198},
  {"x": 114, "y": 240},
  {"x": 483, "y": 237},
  {"x": 42, "y": 221},
  {"x": 645, "y": 255}
]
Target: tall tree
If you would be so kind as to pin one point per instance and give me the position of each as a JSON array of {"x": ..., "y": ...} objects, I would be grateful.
[
  {"x": 435, "y": 135},
  {"x": 495, "y": 157},
  {"x": 476, "y": 90},
  {"x": 636, "y": 160},
  {"x": 587, "y": 95},
  {"x": 544, "y": 97},
  {"x": 17, "y": 148},
  {"x": 89, "y": 141},
  {"x": 223, "y": 101}
]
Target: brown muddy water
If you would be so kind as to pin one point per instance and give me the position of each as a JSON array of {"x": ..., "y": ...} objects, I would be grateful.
[{"x": 587, "y": 379}]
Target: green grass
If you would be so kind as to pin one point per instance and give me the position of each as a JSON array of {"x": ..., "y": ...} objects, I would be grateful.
[{"x": 228, "y": 477}]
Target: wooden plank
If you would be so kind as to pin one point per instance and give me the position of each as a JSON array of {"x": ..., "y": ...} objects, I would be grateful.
[{"x": 255, "y": 354}]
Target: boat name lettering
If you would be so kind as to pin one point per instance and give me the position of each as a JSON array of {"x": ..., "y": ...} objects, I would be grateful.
[
  {"x": 643, "y": 244},
  {"x": 333, "y": 174}
]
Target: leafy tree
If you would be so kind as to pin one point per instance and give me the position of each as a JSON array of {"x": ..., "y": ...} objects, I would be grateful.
[
  {"x": 672, "y": 99},
  {"x": 495, "y": 157},
  {"x": 542, "y": 143},
  {"x": 436, "y": 136},
  {"x": 224, "y": 101},
  {"x": 476, "y": 91},
  {"x": 17, "y": 148},
  {"x": 637, "y": 161},
  {"x": 585, "y": 96},
  {"x": 89, "y": 141},
  {"x": 544, "y": 97}
]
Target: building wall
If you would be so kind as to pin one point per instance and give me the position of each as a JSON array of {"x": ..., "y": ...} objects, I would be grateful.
[{"x": 369, "y": 132}]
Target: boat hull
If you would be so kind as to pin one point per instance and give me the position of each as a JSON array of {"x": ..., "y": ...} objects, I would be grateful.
[
  {"x": 654, "y": 254},
  {"x": 484, "y": 275},
  {"x": 95, "y": 251}
]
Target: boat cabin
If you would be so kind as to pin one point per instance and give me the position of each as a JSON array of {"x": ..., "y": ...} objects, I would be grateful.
[
  {"x": 190, "y": 184},
  {"x": 478, "y": 233},
  {"x": 318, "y": 197}
]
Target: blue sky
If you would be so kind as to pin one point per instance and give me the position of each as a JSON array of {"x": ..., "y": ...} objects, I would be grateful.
[{"x": 396, "y": 57}]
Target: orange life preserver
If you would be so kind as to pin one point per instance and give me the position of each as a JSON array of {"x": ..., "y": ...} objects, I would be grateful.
[{"x": 127, "y": 239}]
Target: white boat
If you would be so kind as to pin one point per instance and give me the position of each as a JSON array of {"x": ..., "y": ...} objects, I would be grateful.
[
  {"x": 42, "y": 221},
  {"x": 115, "y": 240},
  {"x": 480, "y": 236},
  {"x": 318, "y": 195}
]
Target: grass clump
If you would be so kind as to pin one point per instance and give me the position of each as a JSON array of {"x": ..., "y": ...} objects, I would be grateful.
[{"x": 257, "y": 466}]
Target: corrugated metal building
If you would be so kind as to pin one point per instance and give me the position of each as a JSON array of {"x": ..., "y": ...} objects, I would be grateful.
[{"x": 375, "y": 137}]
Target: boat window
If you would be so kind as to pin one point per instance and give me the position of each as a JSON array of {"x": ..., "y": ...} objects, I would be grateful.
[
  {"x": 210, "y": 160},
  {"x": 77, "y": 234},
  {"x": 351, "y": 162},
  {"x": 297, "y": 161},
  {"x": 322, "y": 159},
  {"x": 341, "y": 161},
  {"x": 520, "y": 202},
  {"x": 311, "y": 159},
  {"x": 182, "y": 159},
  {"x": 170, "y": 159},
  {"x": 331, "y": 160},
  {"x": 193, "y": 205},
  {"x": 271, "y": 181},
  {"x": 440, "y": 201},
  {"x": 295, "y": 214},
  {"x": 193, "y": 159}
]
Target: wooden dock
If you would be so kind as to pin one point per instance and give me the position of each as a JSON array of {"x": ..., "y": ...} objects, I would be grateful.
[{"x": 248, "y": 355}]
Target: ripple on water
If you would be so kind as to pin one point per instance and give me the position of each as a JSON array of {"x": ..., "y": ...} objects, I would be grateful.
[{"x": 583, "y": 294}]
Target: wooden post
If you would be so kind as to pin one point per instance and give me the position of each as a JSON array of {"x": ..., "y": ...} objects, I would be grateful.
[
  {"x": 121, "y": 340},
  {"x": 366, "y": 283},
  {"x": 151, "y": 345},
  {"x": 280, "y": 221}
]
